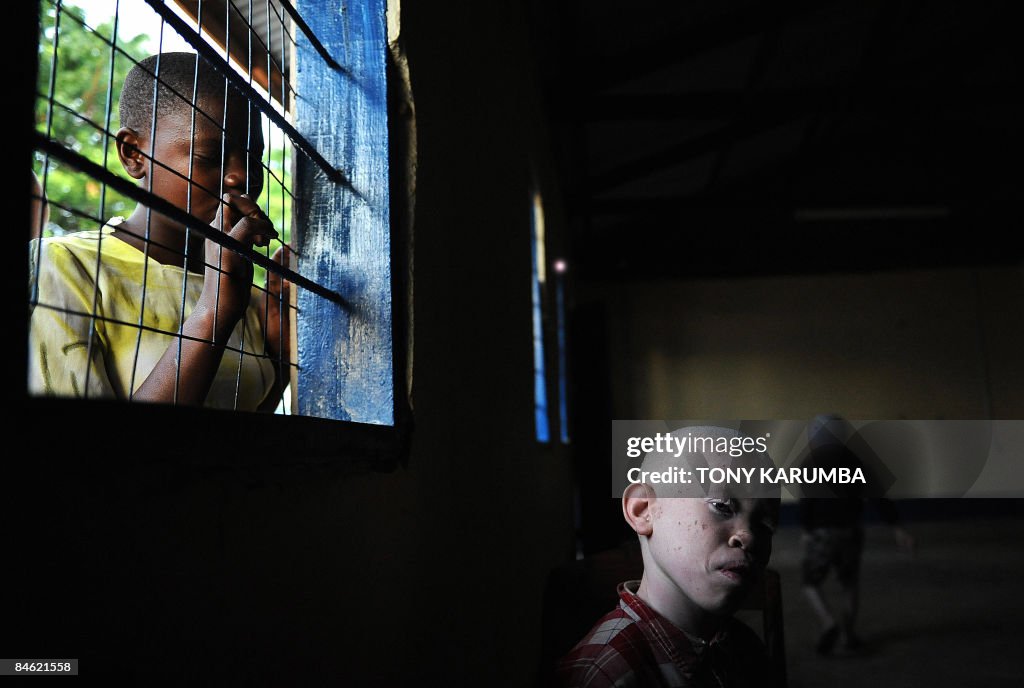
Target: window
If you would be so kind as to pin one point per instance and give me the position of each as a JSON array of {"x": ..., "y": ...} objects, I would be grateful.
[
  {"x": 542, "y": 323},
  {"x": 318, "y": 78}
]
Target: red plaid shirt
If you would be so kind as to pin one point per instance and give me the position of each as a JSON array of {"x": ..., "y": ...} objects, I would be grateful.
[{"x": 635, "y": 646}]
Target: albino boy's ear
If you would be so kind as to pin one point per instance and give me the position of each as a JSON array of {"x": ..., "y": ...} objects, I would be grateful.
[
  {"x": 130, "y": 153},
  {"x": 637, "y": 503}
]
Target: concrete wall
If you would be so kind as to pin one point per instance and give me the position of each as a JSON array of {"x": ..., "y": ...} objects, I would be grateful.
[{"x": 913, "y": 344}]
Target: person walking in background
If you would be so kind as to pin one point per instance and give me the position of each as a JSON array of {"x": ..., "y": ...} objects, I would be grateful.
[{"x": 833, "y": 533}]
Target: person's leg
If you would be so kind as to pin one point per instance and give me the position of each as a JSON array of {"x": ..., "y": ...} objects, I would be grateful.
[
  {"x": 816, "y": 563},
  {"x": 819, "y": 606},
  {"x": 850, "y": 596},
  {"x": 830, "y": 630},
  {"x": 848, "y": 571}
]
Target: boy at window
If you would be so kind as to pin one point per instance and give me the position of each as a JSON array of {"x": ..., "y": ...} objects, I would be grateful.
[
  {"x": 702, "y": 554},
  {"x": 93, "y": 289}
]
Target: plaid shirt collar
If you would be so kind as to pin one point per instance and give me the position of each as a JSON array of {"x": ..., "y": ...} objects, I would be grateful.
[{"x": 668, "y": 641}]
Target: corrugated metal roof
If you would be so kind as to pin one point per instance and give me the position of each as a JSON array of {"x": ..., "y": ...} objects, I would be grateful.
[{"x": 263, "y": 24}]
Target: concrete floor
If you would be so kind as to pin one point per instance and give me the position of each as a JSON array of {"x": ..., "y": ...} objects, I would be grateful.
[{"x": 951, "y": 615}]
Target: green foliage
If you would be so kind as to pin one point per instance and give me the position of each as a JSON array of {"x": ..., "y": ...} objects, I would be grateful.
[
  {"x": 275, "y": 199},
  {"x": 84, "y": 87}
]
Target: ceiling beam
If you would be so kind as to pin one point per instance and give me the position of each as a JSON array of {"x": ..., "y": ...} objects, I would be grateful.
[
  {"x": 726, "y": 104},
  {"x": 671, "y": 156}
]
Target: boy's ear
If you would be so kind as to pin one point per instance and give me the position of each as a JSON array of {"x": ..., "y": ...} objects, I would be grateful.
[
  {"x": 637, "y": 503},
  {"x": 130, "y": 153}
]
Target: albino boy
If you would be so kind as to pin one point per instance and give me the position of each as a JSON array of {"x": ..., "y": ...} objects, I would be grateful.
[{"x": 702, "y": 555}]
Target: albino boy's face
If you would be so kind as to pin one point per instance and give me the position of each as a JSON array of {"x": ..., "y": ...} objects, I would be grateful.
[
  {"x": 217, "y": 166},
  {"x": 710, "y": 550}
]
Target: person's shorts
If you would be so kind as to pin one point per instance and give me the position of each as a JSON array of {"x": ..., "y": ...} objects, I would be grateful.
[{"x": 829, "y": 548}]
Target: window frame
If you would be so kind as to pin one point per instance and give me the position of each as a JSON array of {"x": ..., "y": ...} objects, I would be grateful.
[{"x": 226, "y": 438}]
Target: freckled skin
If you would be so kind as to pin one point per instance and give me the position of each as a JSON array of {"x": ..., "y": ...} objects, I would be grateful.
[{"x": 683, "y": 576}]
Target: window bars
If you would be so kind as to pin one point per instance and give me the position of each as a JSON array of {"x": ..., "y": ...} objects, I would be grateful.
[{"x": 120, "y": 308}]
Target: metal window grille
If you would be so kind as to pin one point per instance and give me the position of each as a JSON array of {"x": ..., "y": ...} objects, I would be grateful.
[{"x": 253, "y": 45}]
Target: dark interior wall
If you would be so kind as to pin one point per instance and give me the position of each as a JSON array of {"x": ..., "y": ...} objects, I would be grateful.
[
  {"x": 168, "y": 572},
  {"x": 487, "y": 510},
  {"x": 434, "y": 573}
]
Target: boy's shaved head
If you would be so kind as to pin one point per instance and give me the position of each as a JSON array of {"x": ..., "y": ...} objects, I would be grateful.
[
  {"x": 178, "y": 75},
  {"x": 189, "y": 163}
]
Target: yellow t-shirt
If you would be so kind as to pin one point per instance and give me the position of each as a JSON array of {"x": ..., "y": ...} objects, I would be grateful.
[{"x": 76, "y": 270}]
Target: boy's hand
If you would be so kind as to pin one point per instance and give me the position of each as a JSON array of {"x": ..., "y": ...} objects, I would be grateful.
[
  {"x": 228, "y": 290},
  {"x": 274, "y": 317}
]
